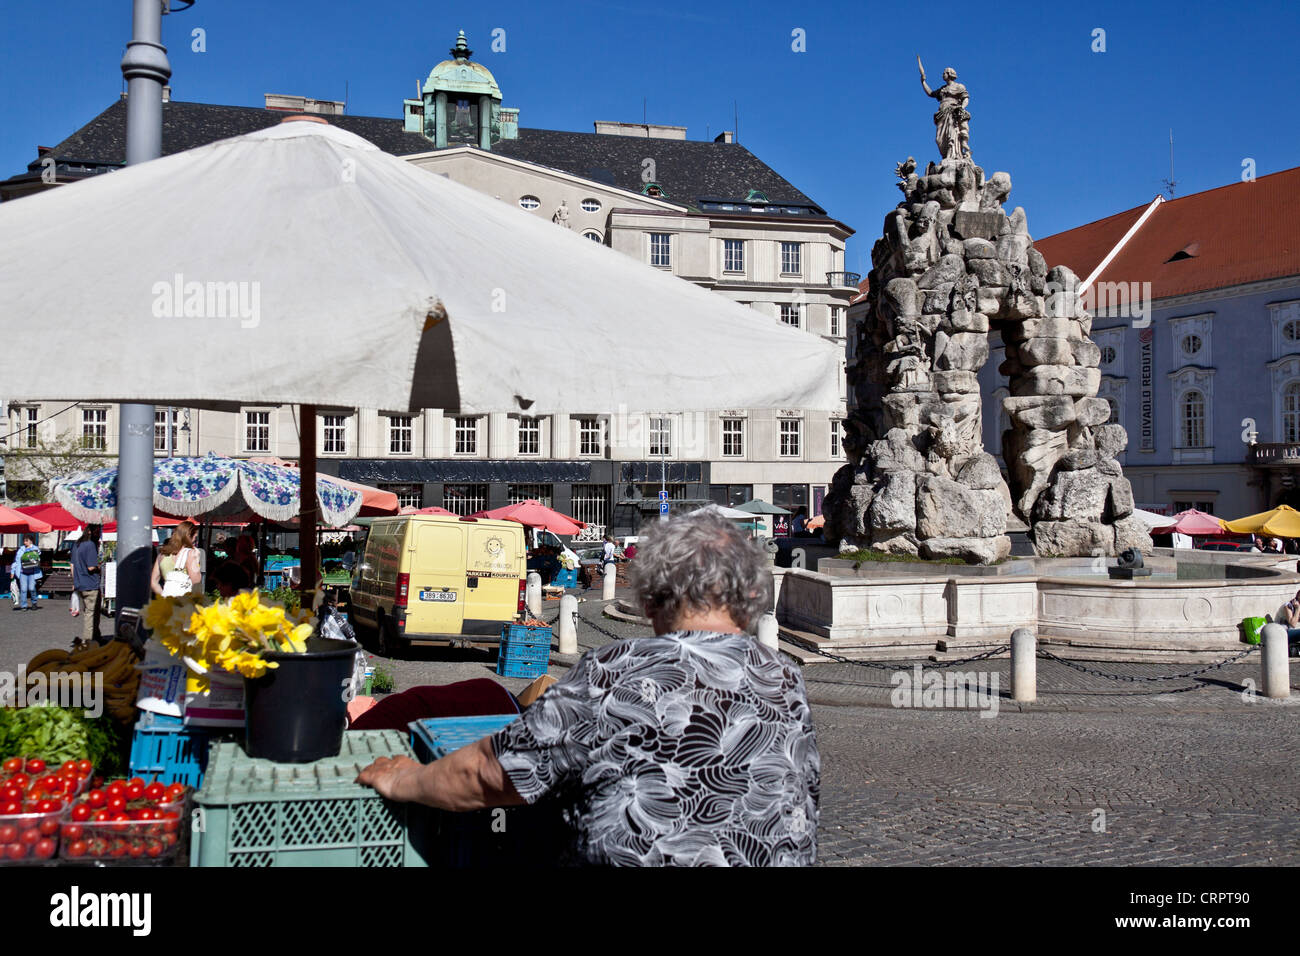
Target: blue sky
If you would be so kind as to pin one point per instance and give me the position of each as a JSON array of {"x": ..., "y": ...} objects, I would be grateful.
[{"x": 1083, "y": 134}]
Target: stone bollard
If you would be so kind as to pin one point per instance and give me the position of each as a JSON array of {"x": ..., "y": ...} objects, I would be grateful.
[
  {"x": 767, "y": 630},
  {"x": 611, "y": 580},
  {"x": 1024, "y": 665},
  {"x": 568, "y": 624},
  {"x": 1276, "y": 676},
  {"x": 533, "y": 594}
]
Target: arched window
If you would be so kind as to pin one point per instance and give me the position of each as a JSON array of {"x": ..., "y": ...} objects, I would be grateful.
[
  {"x": 1291, "y": 413},
  {"x": 1291, "y": 331},
  {"x": 593, "y": 235},
  {"x": 1193, "y": 419}
]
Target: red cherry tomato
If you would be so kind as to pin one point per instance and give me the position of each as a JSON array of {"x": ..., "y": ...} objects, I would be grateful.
[
  {"x": 15, "y": 851},
  {"x": 116, "y": 804},
  {"x": 36, "y": 765},
  {"x": 69, "y": 766},
  {"x": 118, "y": 848},
  {"x": 100, "y": 815},
  {"x": 8, "y": 833},
  {"x": 10, "y": 793},
  {"x": 116, "y": 789},
  {"x": 45, "y": 849},
  {"x": 96, "y": 799},
  {"x": 21, "y": 780},
  {"x": 134, "y": 790},
  {"x": 119, "y": 817},
  {"x": 84, "y": 767},
  {"x": 155, "y": 791},
  {"x": 12, "y": 765},
  {"x": 49, "y": 806},
  {"x": 81, "y": 812},
  {"x": 136, "y": 849},
  {"x": 49, "y": 827},
  {"x": 30, "y": 837},
  {"x": 73, "y": 831},
  {"x": 54, "y": 785},
  {"x": 77, "y": 848},
  {"x": 13, "y": 806}
]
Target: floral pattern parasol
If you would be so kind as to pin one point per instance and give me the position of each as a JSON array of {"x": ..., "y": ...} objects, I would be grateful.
[{"x": 187, "y": 487}]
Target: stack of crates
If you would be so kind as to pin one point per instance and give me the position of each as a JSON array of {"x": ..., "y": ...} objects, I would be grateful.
[
  {"x": 163, "y": 748},
  {"x": 524, "y": 651},
  {"x": 527, "y": 837},
  {"x": 254, "y": 812}
]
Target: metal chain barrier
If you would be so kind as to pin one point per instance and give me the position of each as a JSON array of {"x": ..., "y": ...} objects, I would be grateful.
[
  {"x": 1048, "y": 655},
  {"x": 903, "y": 662}
]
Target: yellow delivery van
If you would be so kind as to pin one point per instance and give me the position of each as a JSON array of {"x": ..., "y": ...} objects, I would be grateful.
[{"x": 439, "y": 578}]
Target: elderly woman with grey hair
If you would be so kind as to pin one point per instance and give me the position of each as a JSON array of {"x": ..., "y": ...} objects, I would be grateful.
[{"x": 692, "y": 747}]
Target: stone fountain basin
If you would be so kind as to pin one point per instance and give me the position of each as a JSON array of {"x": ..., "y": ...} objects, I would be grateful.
[{"x": 1189, "y": 609}]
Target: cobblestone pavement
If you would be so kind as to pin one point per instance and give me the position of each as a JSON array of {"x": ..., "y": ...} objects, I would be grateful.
[{"x": 1184, "y": 772}]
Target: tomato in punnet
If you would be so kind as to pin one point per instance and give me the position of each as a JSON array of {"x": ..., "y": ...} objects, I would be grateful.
[
  {"x": 53, "y": 785},
  {"x": 96, "y": 799},
  {"x": 13, "y": 806},
  {"x": 135, "y": 790},
  {"x": 49, "y": 806},
  {"x": 81, "y": 812},
  {"x": 100, "y": 815},
  {"x": 116, "y": 803},
  {"x": 8, "y": 833},
  {"x": 84, "y": 767},
  {"x": 155, "y": 791},
  {"x": 77, "y": 848},
  {"x": 134, "y": 781},
  {"x": 48, "y": 828},
  {"x": 119, "y": 817},
  {"x": 45, "y": 849},
  {"x": 15, "y": 851},
  {"x": 36, "y": 765},
  {"x": 21, "y": 780},
  {"x": 136, "y": 849},
  {"x": 116, "y": 789},
  {"x": 154, "y": 849},
  {"x": 118, "y": 849},
  {"x": 10, "y": 793},
  {"x": 30, "y": 837},
  {"x": 73, "y": 831},
  {"x": 69, "y": 766},
  {"x": 12, "y": 765},
  {"x": 175, "y": 792}
]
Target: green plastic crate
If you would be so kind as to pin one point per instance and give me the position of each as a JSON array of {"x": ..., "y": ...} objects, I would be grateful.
[{"x": 253, "y": 812}]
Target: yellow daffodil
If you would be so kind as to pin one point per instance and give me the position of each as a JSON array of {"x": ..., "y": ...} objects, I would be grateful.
[{"x": 231, "y": 635}]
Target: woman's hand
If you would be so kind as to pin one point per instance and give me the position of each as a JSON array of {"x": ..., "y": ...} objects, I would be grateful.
[{"x": 393, "y": 777}]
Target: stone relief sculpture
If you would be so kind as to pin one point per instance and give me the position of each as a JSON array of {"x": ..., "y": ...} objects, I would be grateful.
[
  {"x": 561, "y": 217},
  {"x": 951, "y": 265}
]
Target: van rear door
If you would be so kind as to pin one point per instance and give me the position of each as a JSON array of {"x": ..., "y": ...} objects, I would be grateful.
[
  {"x": 436, "y": 601},
  {"x": 493, "y": 568}
]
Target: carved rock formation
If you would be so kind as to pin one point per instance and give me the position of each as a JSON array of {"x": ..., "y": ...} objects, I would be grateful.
[{"x": 951, "y": 266}]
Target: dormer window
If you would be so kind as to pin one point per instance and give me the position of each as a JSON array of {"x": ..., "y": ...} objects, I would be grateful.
[
  {"x": 655, "y": 190},
  {"x": 756, "y": 195},
  {"x": 1189, "y": 251}
]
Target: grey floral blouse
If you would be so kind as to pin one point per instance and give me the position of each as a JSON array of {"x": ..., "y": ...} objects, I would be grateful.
[{"x": 688, "y": 749}]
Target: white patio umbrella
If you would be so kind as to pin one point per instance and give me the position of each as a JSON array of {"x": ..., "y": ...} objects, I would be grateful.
[{"x": 301, "y": 264}]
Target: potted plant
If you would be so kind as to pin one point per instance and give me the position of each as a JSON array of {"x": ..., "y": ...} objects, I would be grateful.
[{"x": 295, "y": 682}]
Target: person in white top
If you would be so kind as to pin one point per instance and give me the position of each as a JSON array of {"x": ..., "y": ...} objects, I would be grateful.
[{"x": 176, "y": 570}]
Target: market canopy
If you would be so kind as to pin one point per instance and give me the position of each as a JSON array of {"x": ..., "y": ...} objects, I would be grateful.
[
  {"x": 1283, "y": 522},
  {"x": 1191, "y": 522},
  {"x": 760, "y": 507},
  {"x": 427, "y": 293},
  {"x": 60, "y": 519},
  {"x": 212, "y": 485},
  {"x": 533, "y": 514},
  {"x": 13, "y": 521}
]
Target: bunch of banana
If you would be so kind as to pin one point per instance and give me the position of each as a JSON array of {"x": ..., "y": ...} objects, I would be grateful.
[{"x": 115, "y": 660}]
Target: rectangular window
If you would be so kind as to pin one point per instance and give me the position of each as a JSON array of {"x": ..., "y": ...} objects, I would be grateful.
[
  {"x": 660, "y": 437},
  {"x": 464, "y": 499},
  {"x": 733, "y": 255},
  {"x": 835, "y": 438},
  {"x": 837, "y": 320},
  {"x": 399, "y": 434},
  {"x": 661, "y": 249},
  {"x": 94, "y": 429},
  {"x": 519, "y": 493},
  {"x": 530, "y": 436},
  {"x": 30, "y": 416},
  {"x": 590, "y": 504},
  {"x": 588, "y": 436},
  {"x": 733, "y": 437},
  {"x": 791, "y": 432},
  {"x": 335, "y": 437},
  {"x": 467, "y": 436},
  {"x": 731, "y": 495},
  {"x": 676, "y": 492},
  {"x": 257, "y": 431},
  {"x": 408, "y": 495},
  {"x": 790, "y": 314},
  {"x": 791, "y": 258},
  {"x": 160, "y": 430}
]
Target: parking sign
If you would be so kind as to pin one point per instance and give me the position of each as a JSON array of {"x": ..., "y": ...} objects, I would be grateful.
[{"x": 663, "y": 496}]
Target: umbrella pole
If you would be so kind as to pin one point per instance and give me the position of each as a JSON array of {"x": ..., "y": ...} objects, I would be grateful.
[{"x": 307, "y": 505}]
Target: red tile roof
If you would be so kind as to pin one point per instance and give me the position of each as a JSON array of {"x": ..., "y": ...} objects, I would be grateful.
[{"x": 1245, "y": 232}]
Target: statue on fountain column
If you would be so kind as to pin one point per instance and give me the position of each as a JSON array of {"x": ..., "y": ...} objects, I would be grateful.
[{"x": 952, "y": 122}]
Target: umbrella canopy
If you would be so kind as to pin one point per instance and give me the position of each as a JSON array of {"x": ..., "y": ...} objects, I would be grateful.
[
  {"x": 439, "y": 296},
  {"x": 816, "y": 523},
  {"x": 1283, "y": 522},
  {"x": 533, "y": 514},
  {"x": 13, "y": 521},
  {"x": 374, "y": 501},
  {"x": 1150, "y": 518},
  {"x": 760, "y": 507},
  {"x": 734, "y": 514},
  {"x": 60, "y": 519},
  {"x": 227, "y": 487},
  {"x": 1192, "y": 522}
]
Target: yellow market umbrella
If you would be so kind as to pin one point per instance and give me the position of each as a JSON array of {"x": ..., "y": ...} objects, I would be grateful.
[{"x": 1282, "y": 522}]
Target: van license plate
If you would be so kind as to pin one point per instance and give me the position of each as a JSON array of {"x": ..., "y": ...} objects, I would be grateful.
[{"x": 448, "y": 596}]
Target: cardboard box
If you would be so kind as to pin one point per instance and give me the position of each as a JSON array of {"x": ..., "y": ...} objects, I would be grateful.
[{"x": 535, "y": 690}]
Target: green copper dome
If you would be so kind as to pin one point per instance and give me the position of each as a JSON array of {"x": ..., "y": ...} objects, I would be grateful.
[{"x": 462, "y": 75}]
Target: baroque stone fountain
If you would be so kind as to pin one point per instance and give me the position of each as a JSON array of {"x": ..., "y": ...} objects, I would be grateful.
[{"x": 950, "y": 267}]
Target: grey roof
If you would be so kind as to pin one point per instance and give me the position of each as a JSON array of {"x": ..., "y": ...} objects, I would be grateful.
[{"x": 687, "y": 170}]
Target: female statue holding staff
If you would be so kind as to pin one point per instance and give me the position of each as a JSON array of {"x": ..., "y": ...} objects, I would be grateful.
[{"x": 952, "y": 130}]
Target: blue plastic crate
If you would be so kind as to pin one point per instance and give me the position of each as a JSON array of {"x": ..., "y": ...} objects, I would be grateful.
[
  {"x": 526, "y": 652},
  {"x": 164, "y": 748},
  {"x": 524, "y": 634},
  {"x": 565, "y": 579},
  {"x": 512, "y": 667},
  {"x": 435, "y": 737}
]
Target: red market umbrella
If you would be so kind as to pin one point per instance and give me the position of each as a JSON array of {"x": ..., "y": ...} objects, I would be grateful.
[
  {"x": 13, "y": 521},
  {"x": 1192, "y": 522},
  {"x": 60, "y": 519},
  {"x": 533, "y": 514}
]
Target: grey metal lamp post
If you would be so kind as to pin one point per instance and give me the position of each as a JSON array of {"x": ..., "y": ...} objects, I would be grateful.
[{"x": 146, "y": 70}]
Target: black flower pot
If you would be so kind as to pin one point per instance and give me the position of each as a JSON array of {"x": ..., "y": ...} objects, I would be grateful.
[{"x": 297, "y": 712}]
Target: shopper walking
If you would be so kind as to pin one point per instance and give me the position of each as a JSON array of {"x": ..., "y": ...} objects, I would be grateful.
[
  {"x": 86, "y": 581},
  {"x": 26, "y": 570}
]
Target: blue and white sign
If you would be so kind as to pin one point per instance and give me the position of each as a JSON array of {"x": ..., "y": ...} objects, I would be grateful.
[
  {"x": 663, "y": 496},
  {"x": 663, "y": 509}
]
